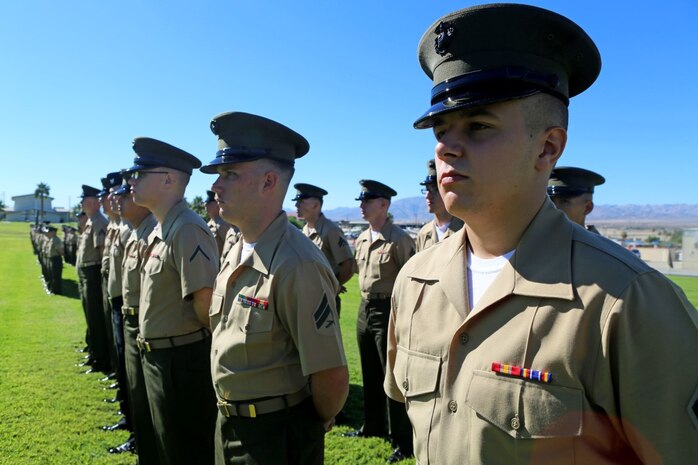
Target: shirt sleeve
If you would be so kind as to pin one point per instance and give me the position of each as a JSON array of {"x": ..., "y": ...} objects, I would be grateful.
[
  {"x": 647, "y": 370},
  {"x": 339, "y": 247},
  {"x": 308, "y": 311},
  {"x": 405, "y": 249},
  {"x": 196, "y": 254}
]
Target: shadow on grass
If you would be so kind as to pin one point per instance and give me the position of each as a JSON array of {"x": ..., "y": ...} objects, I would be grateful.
[
  {"x": 354, "y": 407},
  {"x": 70, "y": 289}
]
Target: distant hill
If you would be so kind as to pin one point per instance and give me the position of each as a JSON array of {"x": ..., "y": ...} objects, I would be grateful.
[{"x": 413, "y": 209}]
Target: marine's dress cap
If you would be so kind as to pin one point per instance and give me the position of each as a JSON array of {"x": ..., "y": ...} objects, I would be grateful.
[
  {"x": 125, "y": 187},
  {"x": 567, "y": 181},
  {"x": 113, "y": 180},
  {"x": 375, "y": 190},
  {"x": 492, "y": 53},
  {"x": 89, "y": 191},
  {"x": 431, "y": 173},
  {"x": 306, "y": 191},
  {"x": 245, "y": 137},
  {"x": 152, "y": 153},
  {"x": 210, "y": 196}
]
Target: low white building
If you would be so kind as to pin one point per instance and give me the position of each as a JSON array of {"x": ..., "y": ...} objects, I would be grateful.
[{"x": 27, "y": 208}]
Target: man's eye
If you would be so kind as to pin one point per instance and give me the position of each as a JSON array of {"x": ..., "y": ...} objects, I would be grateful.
[{"x": 478, "y": 126}]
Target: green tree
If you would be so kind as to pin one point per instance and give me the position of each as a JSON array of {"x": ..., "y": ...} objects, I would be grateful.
[
  {"x": 199, "y": 207},
  {"x": 42, "y": 191},
  {"x": 2, "y": 206},
  {"x": 296, "y": 222}
]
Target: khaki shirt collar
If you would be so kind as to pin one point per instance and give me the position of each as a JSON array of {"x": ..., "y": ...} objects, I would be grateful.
[
  {"x": 267, "y": 244},
  {"x": 164, "y": 229},
  {"x": 540, "y": 267},
  {"x": 386, "y": 230}
]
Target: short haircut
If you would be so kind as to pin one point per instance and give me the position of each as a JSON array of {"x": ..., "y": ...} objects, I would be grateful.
[
  {"x": 543, "y": 111},
  {"x": 285, "y": 170}
]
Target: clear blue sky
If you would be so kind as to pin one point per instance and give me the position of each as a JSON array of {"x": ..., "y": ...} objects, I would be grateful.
[{"x": 80, "y": 79}]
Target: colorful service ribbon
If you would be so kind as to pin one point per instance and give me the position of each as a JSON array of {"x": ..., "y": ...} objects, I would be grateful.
[
  {"x": 513, "y": 370},
  {"x": 253, "y": 302}
]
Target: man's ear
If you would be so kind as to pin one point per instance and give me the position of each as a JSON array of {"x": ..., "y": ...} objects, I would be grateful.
[
  {"x": 554, "y": 141},
  {"x": 271, "y": 179},
  {"x": 588, "y": 206}
]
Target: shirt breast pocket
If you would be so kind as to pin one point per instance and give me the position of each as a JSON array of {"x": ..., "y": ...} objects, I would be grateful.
[
  {"x": 153, "y": 266},
  {"x": 526, "y": 409}
]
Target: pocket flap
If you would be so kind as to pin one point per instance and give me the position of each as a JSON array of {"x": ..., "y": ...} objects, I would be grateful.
[
  {"x": 216, "y": 304},
  {"x": 416, "y": 373},
  {"x": 547, "y": 410}
]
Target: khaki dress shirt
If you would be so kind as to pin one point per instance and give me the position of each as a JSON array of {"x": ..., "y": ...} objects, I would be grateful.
[
  {"x": 91, "y": 239},
  {"x": 379, "y": 262},
  {"x": 219, "y": 228},
  {"x": 134, "y": 251},
  {"x": 273, "y": 317},
  {"x": 116, "y": 259},
  {"x": 427, "y": 236},
  {"x": 329, "y": 238},
  {"x": 181, "y": 258},
  {"x": 619, "y": 340}
]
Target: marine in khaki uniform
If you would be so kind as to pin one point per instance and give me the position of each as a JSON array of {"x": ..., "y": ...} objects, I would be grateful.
[
  {"x": 572, "y": 191},
  {"x": 219, "y": 228},
  {"x": 110, "y": 180},
  {"x": 381, "y": 251},
  {"x": 122, "y": 231},
  {"x": 178, "y": 272},
  {"x": 54, "y": 252},
  {"x": 325, "y": 234},
  {"x": 142, "y": 224},
  {"x": 444, "y": 224},
  {"x": 278, "y": 363},
  {"x": 88, "y": 261},
  {"x": 231, "y": 238},
  {"x": 524, "y": 338}
]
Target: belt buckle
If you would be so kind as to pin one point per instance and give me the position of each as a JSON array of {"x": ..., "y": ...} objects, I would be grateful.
[
  {"x": 253, "y": 410},
  {"x": 224, "y": 406},
  {"x": 146, "y": 344}
]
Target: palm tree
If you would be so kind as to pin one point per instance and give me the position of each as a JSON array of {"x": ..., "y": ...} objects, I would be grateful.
[{"x": 42, "y": 191}]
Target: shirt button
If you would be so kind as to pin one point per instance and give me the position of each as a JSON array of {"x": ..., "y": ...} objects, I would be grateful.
[
  {"x": 515, "y": 423},
  {"x": 225, "y": 318},
  {"x": 453, "y": 406},
  {"x": 464, "y": 338},
  {"x": 406, "y": 385}
]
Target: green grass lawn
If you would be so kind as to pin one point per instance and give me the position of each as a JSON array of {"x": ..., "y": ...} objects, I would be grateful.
[{"x": 50, "y": 412}]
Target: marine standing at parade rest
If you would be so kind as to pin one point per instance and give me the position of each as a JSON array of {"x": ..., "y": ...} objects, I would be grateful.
[
  {"x": 178, "y": 272},
  {"x": 54, "y": 252},
  {"x": 111, "y": 180},
  {"x": 444, "y": 224},
  {"x": 219, "y": 228},
  {"x": 88, "y": 261},
  {"x": 278, "y": 362},
  {"x": 524, "y": 338},
  {"x": 114, "y": 289},
  {"x": 572, "y": 191},
  {"x": 325, "y": 234},
  {"x": 142, "y": 224},
  {"x": 381, "y": 251}
]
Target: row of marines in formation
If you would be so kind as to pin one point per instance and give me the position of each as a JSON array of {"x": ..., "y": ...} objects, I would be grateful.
[{"x": 521, "y": 338}]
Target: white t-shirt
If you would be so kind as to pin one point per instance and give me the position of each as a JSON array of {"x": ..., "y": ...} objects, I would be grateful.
[
  {"x": 441, "y": 230},
  {"x": 374, "y": 235},
  {"x": 247, "y": 250},
  {"x": 482, "y": 272}
]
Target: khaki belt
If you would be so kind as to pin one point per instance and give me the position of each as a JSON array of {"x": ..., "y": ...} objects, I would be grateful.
[
  {"x": 86, "y": 264},
  {"x": 375, "y": 296},
  {"x": 129, "y": 310},
  {"x": 174, "y": 341},
  {"x": 252, "y": 409}
]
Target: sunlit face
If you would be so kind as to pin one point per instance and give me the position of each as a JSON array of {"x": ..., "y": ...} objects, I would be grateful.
[
  {"x": 435, "y": 204},
  {"x": 372, "y": 209},
  {"x": 306, "y": 208},
  {"x": 484, "y": 158},
  {"x": 576, "y": 208},
  {"x": 90, "y": 205},
  {"x": 238, "y": 191},
  {"x": 212, "y": 209},
  {"x": 146, "y": 185}
]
